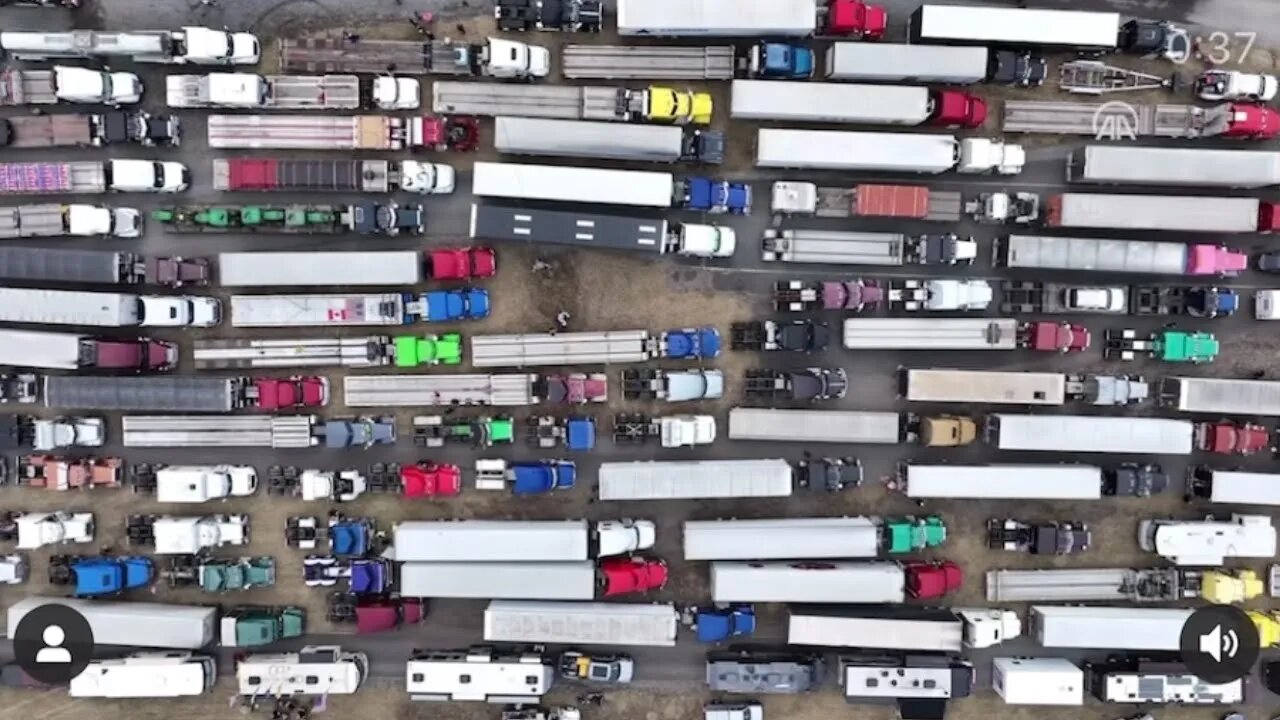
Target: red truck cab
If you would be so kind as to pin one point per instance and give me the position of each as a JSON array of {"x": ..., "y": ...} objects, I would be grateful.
[
  {"x": 855, "y": 19},
  {"x": 1227, "y": 438},
  {"x": 426, "y": 479},
  {"x": 462, "y": 263},
  {"x": 622, "y": 575},
  {"x": 289, "y": 393},
  {"x": 957, "y": 109},
  {"x": 1061, "y": 337},
  {"x": 1251, "y": 122},
  {"x": 1268, "y": 216},
  {"x": 138, "y": 355},
  {"x": 455, "y": 133},
  {"x": 930, "y": 580}
]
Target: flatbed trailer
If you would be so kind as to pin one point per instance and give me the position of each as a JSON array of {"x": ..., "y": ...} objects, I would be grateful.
[
  {"x": 1152, "y": 585},
  {"x": 280, "y": 431},
  {"x": 1221, "y": 396},
  {"x": 845, "y": 247},
  {"x": 562, "y": 349},
  {"x": 682, "y": 480},
  {"x": 368, "y": 351},
  {"x": 114, "y": 127},
  {"x": 311, "y": 132},
  {"x": 581, "y": 623},
  {"x": 511, "y": 389},
  {"x": 1024, "y": 296},
  {"x": 644, "y": 62},
  {"x": 373, "y": 57},
  {"x": 28, "y": 87},
  {"x": 839, "y": 426},
  {"x": 567, "y": 102},
  {"x": 271, "y": 92},
  {"x": 1077, "y": 118}
]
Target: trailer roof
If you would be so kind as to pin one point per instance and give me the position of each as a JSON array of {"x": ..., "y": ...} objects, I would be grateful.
[
  {"x": 1221, "y": 395},
  {"x": 316, "y": 310},
  {"x": 865, "y": 151},
  {"x": 930, "y": 333},
  {"x": 60, "y": 264},
  {"x": 941, "y": 634},
  {"x": 171, "y": 393},
  {"x": 490, "y": 540},
  {"x": 573, "y": 184},
  {"x": 1244, "y": 488},
  {"x": 1179, "y": 213},
  {"x": 1176, "y": 166},
  {"x": 717, "y": 17},
  {"x": 1115, "y": 628},
  {"x": 181, "y": 627},
  {"x": 581, "y": 623},
  {"x": 809, "y": 101},
  {"x": 32, "y": 348},
  {"x": 986, "y": 386},
  {"x": 562, "y": 227},
  {"x": 811, "y": 582},
  {"x": 846, "y": 426},
  {"x": 311, "y": 268},
  {"x": 1094, "y": 434},
  {"x": 781, "y": 539},
  {"x": 1094, "y": 254},
  {"x": 499, "y": 580},
  {"x": 586, "y": 138},
  {"x": 671, "y": 480},
  {"x": 1016, "y": 26},
  {"x": 901, "y": 61},
  {"x": 995, "y": 482}
]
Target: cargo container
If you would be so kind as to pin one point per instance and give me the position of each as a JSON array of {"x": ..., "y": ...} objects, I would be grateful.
[
  {"x": 921, "y": 481},
  {"x": 884, "y": 152},
  {"x": 100, "y": 266},
  {"x": 180, "y": 627},
  {"x": 54, "y": 220},
  {"x": 648, "y": 62},
  {"x": 1109, "y": 628},
  {"x": 1091, "y": 434},
  {"x": 515, "y": 389},
  {"x": 915, "y": 202},
  {"x": 679, "y": 480},
  {"x": 856, "y": 104},
  {"x": 248, "y": 174},
  {"x": 500, "y": 580},
  {"x": 92, "y": 177},
  {"x": 1125, "y": 256},
  {"x": 114, "y": 127},
  {"x": 187, "y": 46},
  {"x": 829, "y": 582},
  {"x": 183, "y": 394},
  {"x": 721, "y": 18},
  {"x": 839, "y": 426},
  {"x": 1129, "y": 165},
  {"x": 1221, "y": 396},
  {"x": 891, "y": 62},
  {"x": 1178, "y": 213},
  {"x": 971, "y": 25},
  {"x": 103, "y": 309},
  {"x": 339, "y": 132},
  {"x": 906, "y": 629},
  {"x": 319, "y": 269},
  {"x": 606, "y": 140},
  {"x": 1232, "y": 486},
  {"x": 596, "y": 231},
  {"x": 71, "y": 351},
  {"x": 280, "y": 431},
  {"x": 581, "y": 623}
]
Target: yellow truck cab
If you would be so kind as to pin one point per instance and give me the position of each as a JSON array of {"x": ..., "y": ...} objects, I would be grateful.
[
  {"x": 678, "y": 106},
  {"x": 1228, "y": 588},
  {"x": 947, "y": 431},
  {"x": 1268, "y": 625}
]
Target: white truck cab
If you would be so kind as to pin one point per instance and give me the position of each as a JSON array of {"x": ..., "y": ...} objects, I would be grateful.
[
  {"x": 623, "y": 537},
  {"x": 180, "y": 311},
  {"x": 687, "y": 430},
  {"x": 147, "y": 675},
  {"x": 693, "y": 384},
  {"x": 14, "y": 569},
  {"x": 201, "y": 483},
  {"x": 511, "y": 59},
  {"x": 707, "y": 241},
  {"x": 985, "y": 627},
  {"x": 147, "y": 176},
  {"x": 983, "y": 155},
  {"x": 427, "y": 178},
  {"x": 177, "y": 535},
  {"x": 1209, "y": 542},
  {"x": 69, "y": 432},
  {"x": 1227, "y": 85},
  {"x": 342, "y": 486},
  {"x": 397, "y": 93},
  {"x": 41, "y": 529},
  {"x": 82, "y": 85},
  {"x": 205, "y": 46},
  {"x": 96, "y": 220},
  {"x": 1266, "y": 305}
]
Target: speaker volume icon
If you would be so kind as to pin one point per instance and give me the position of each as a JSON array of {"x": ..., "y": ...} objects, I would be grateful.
[{"x": 1217, "y": 644}]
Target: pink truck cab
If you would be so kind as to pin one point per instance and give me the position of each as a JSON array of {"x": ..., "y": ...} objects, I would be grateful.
[
  {"x": 1215, "y": 260},
  {"x": 854, "y": 19}
]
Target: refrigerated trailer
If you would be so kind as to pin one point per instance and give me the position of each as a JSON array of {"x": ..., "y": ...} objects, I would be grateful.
[
  {"x": 1123, "y": 256},
  {"x": 1091, "y": 434},
  {"x": 927, "y": 153},
  {"x": 901, "y": 628},
  {"x": 930, "y": 333},
  {"x": 972, "y": 25},
  {"x": 837, "y": 426},
  {"x": 687, "y": 480},
  {"x": 719, "y": 18},
  {"x": 1131, "y": 165},
  {"x": 1109, "y": 628},
  {"x": 782, "y": 538},
  {"x": 178, "y": 627},
  {"x": 366, "y": 351},
  {"x": 319, "y": 269},
  {"x": 573, "y": 184},
  {"x": 1176, "y": 213},
  {"x": 490, "y": 541},
  {"x": 645, "y": 62},
  {"x": 1221, "y": 396},
  {"x": 511, "y": 389},
  {"x": 606, "y": 140},
  {"x": 985, "y": 386},
  {"x": 826, "y": 582},
  {"x": 841, "y": 103},
  {"x": 581, "y": 623},
  {"x": 500, "y": 580},
  {"x": 891, "y": 62},
  {"x": 999, "y": 482},
  {"x": 281, "y": 431}
]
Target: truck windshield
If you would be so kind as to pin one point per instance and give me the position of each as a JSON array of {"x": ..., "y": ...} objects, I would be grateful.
[
  {"x": 157, "y": 175},
  {"x": 108, "y": 86}
]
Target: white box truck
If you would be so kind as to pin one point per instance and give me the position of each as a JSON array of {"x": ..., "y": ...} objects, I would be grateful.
[
  {"x": 837, "y": 426},
  {"x": 1037, "y": 681},
  {"x": 687, "y": 480},
  {"x": 180, "y": 627},
  {"x": 1091, "y": 434},
  {"x": 319, "y": 269},
  {"x": 1131, "y": 165},
  {"x": 922, "y": 481},
  {"x": 500, "y": 580},
  {"x": 581, "y": 623},
  {"x": 1107, "y": 628}
]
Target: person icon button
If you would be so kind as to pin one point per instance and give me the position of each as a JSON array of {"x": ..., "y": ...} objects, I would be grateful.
[{"x": 52, "y": 643}]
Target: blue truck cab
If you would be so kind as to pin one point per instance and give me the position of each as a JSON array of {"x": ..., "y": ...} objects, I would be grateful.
[
  {"x": 703, "y": 194},
  {"x": 457, "y": 304},
  {"x": 717, "y": 624},
  {"x": 1211, "y": 302},
  {"x": 370, "y": 576},
  {"x": 542, "y": 476},
  {"x": 99, "y": 576},
  {"x": 580, "y": 433},
  {"x": 691, "y": 343},
  {"x": 350, "y": 537},
  {"x": 781, "y": 61}
]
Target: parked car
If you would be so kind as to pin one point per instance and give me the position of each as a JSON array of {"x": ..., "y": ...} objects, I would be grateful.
[{"x": 576, "y": 665}]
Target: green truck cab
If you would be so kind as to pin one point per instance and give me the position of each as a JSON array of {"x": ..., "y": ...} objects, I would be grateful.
[
  {"x": 257, "y": 625},
  {"x": 910, "y": 534},
  {"x": 412, "y": 350}
]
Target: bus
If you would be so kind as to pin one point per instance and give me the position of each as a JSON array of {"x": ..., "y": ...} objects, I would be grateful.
[
  {"x": 980, "y": 386},
  {"x": 479, "y": 674},
  {"x": 313, "y": 670},
  {"x": 1019, "y": 27},
  {"x": 147, "y": 675}
]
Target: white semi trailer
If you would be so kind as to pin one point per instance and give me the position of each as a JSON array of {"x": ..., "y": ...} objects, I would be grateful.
[
  {"x": 319, "y": 269},
  {"x": 902, "y": 629},
  {"x": 1233, "y": 486},
  {"x": 682, "y": 480},
  {"x": 180, "y": 627},
  {"x": 1132, "y": 165},
  {"x": 366, "y": 351},
  {"x": 1000, "y": 482},
  {"x": 517, "y": 540},
  {"x": 1110, "y": 628},
  {"x": 1091, "y": 434},
  {"x": 783, "y": 538},
  {"x": 500, "y": 580},
  {"x": 836, "y": 582},
  {"x": 930, "y": 333},
  {"x": 838, "y": 426},
  {"x": 581, "y": 623},
  {"x": 1221, "y": 396},
  {"x": 925, "y": 153}
]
